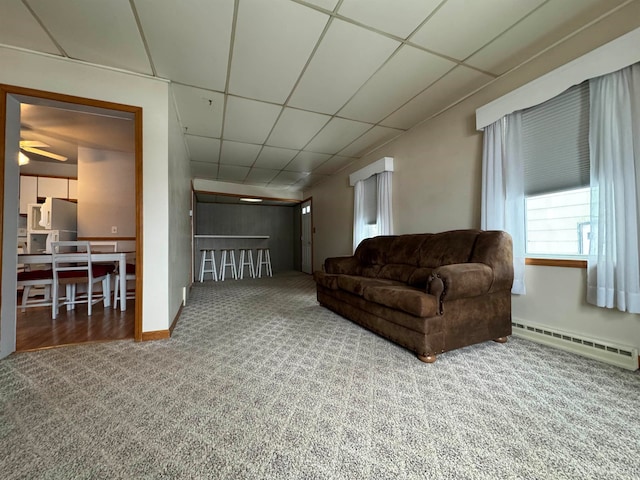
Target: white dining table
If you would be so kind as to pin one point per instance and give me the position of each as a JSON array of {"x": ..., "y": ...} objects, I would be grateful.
[{"x": 120, "y": 257}]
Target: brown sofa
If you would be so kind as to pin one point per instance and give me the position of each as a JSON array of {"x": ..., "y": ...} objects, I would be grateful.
[{"x": 430, "y": 293}]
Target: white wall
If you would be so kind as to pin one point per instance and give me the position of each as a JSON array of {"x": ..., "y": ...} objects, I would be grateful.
[
  {"x": 437, "y": 183},
  {"x": 10, "y": 225},
  {"x": 106, "y": 193},
  {"x": 179, "y": 219},
  {"x": 49, "y": 73}
]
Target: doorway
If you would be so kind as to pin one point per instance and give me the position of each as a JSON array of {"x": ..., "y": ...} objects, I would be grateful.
[
  {"x": 11, "y": 100},
  {"x": 306, "y": 237}
]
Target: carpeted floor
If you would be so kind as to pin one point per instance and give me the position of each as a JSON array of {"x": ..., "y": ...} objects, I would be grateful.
[{"x": 260, "y": 382}]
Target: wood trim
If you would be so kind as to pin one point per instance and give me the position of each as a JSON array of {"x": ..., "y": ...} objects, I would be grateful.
[
  {"x": 236, "y": 195},
  {"x": 138, "y": 128},
  {"x": 100, "y": 239},
  {"x": 137, "y": 334},
  {"x": 556, "y": 262},
  {"x": 155, "y": 335},
  {"x": 47, "y": 176},
  {"x": 175, "y": 320},
  {"x": 3, "y": 132}
]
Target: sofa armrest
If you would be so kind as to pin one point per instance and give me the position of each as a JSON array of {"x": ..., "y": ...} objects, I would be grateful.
[
  {"x": 460, "y": 280},
  {"x": 343, "y": 265}
]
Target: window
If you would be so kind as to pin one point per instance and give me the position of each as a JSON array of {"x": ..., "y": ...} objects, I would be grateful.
[
  {"x": 555, "y": 150},
  {"x": 370, "y": 207}
]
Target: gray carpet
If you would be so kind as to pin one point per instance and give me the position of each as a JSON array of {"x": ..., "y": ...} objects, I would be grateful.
[{"x": 258, "y": 381}]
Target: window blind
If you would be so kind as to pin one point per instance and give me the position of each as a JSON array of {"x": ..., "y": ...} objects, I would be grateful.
[
  {"x": 370, "y": 200},
  {"x": 555, "y": 142}
]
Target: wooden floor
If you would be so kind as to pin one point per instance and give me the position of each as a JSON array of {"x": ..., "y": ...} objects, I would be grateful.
[{"x": 35, "y": 329}]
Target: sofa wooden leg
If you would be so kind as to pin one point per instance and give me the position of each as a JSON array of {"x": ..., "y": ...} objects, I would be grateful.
[
  {"x": 427, "y": 358},
  {"x": 500, "y": 339}
]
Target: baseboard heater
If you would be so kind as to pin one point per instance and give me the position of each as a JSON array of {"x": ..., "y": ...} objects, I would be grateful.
[{"x": 619, "y": 355}]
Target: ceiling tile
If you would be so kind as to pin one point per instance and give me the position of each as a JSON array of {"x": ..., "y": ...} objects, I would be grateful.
[
  {"x": 261, "y": 175},
  {"x": 295, "y": 128},
  {"x": 461, "y": 27},
  {"x": 105, "y": 33},
  {"x": 197, "y": 113},
  {"x": 19, "y": 28},
  {"x": 334, "y": 164},
  {"x": 307, "y": 161},
  {"x": 452, "y": 87},
  {"x": 374, "y": 137},
  {"x": 248, "y": 120},
  {"x": 266, "y": 62},
  {"x": 273, "y": 157},
  {"x": 336, "y": 135},
  {"x": 326, "y": 4},
  {"x": 287, "y": 178},
  {"x": 189, "y": 43},
  {"x": 204, "y": 170},
  {"x": 309, "y": 180},
  {"x": 406, "y": 74},
  {"x": 347, "y": 56},
  {"x": 232, "y": 173},
  {"x": 541, "y": 29},
  {"x": 398, "y": 18},
  {"x": 234, "y": 153},
  {"x": 203, "y": 149}
]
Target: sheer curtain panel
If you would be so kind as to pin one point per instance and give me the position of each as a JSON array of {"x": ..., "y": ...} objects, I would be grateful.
[
  {"x": 502, "y": 206},
  {"x": 384, "y": 217},
  {"x": 359, "y": 220},
  {"x": 613, "y": 270}
]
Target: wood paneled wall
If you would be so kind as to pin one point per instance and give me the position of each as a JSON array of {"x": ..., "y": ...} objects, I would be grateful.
[{"x": 281, "y": 223}]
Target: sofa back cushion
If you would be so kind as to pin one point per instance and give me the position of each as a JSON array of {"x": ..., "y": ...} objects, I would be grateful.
[
  {"x": 447, "y": 248},
  {"x": 372, "y": 253}
]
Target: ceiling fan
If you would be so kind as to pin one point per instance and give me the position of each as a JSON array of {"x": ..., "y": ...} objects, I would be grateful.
[{"x": 35, "y": 146}]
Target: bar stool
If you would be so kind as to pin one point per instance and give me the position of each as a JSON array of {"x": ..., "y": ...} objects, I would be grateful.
[
  {"x": 230, "y": 262},
  {"x": 248, "y": 261},
  {"x": 203, "y": 264},
  {"x": 264, "y": 258}
]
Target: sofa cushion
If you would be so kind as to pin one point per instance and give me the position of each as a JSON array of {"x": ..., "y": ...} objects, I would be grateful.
[
  {"x": 356, "y": 285},
  {"x": 404, "y": 249},
  {"x": 420, "y": 277},
  {"x": 327, "y": 280},
  {"x": 446, "y": 248},
  {"x": 407, "y": 299},
  {"x": 373, "y": 251},
  {"x": 400, "y": 273}
]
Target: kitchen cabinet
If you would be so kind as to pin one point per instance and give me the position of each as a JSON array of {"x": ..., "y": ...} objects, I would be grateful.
[
  {"x": 28, "y": 192},
  {"x": 53, "y": 187},
  {"x": 34, "y": 187}
]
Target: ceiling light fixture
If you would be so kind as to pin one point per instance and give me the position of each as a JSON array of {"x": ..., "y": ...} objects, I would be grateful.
[
  {"x": 251, "y": 200},
  {"x": 23, "y": 159}
]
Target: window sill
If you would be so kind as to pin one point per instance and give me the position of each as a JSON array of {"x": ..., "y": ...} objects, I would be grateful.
[{"x": 556, "y": 262}]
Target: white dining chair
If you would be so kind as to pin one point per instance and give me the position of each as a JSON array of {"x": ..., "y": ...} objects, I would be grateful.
[
  {"x": 130, "y": 275},
  {"x": 72, "y": 266},
  {"x": 27, "y": 279}
]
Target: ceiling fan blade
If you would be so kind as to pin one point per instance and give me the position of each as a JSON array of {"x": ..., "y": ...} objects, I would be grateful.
[
  {"x": 44, "y": 153},
  {"x": 33, "y": 144}
]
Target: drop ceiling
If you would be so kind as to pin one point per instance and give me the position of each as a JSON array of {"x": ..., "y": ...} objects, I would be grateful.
[{"x": 284, "y": 93}]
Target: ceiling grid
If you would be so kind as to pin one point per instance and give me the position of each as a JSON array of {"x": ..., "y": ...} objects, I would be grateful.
[{"x": 285, "y": 93}]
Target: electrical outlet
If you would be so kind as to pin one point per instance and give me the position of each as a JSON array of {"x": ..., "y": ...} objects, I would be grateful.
[{"x": 114, "y": 229}]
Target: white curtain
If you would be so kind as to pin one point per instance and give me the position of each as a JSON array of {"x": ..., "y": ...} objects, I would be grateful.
[
  {"x": 384, "y": 215},
  {"x": 502, "y": 206},
  {"x": 359, "y": 220},
  {"x": 613, "y": 271}
]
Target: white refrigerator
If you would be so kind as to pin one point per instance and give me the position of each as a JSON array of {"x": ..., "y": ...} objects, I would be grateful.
[{"x": 52, "y": 221}]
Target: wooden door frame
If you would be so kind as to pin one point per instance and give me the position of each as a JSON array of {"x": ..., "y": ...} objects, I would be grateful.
[{"x": 137, "y": 113}]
